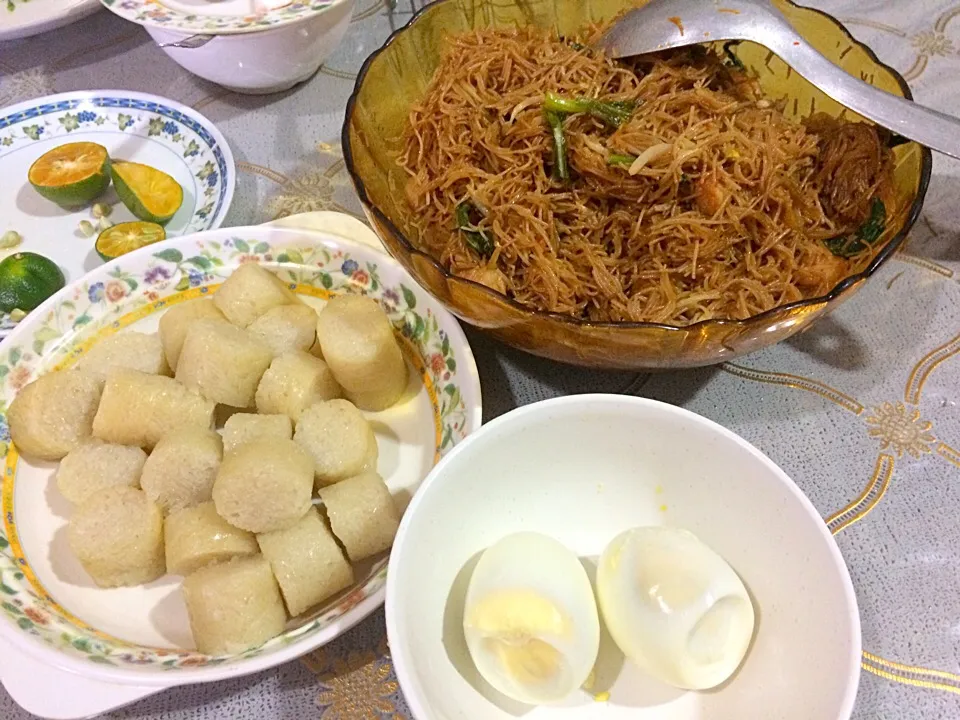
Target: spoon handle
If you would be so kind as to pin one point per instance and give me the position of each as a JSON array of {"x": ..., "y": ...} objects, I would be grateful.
[
  {"x": 190, "y": 43},
  {"x": 936, "y": 130}
]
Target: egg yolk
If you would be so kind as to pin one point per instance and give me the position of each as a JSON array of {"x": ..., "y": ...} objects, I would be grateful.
[
  {"x": 521, "y": 611},
  {"x": 529, "y": 661},
  {"x": 514, "y": 622}
]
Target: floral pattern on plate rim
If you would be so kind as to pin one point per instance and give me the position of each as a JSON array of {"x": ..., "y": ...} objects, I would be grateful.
[
  {"x": 150, "y": 12},
  {"x": 199, "y": 150},
  {"x": 128, "y": 296}
]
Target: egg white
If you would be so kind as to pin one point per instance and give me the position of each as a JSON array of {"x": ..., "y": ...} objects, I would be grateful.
[
  {"x": 674, "y": 606},
  {"x": 530, "y": 619}
]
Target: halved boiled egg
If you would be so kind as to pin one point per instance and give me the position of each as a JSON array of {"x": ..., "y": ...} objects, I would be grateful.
[
  {"x": 674, "y": 606},
  {"x": 530, "y": 619}
]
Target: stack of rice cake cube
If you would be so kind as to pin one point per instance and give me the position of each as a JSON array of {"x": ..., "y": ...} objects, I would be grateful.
[{"x": 158, "y": 490}]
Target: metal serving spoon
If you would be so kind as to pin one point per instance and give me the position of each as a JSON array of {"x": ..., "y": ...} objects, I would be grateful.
[
  {"x": 190, "y": 43},
  {"x": 663, "y": 24}
]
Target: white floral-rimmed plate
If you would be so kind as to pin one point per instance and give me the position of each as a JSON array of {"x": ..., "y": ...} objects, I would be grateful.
[
  {"x": 49, "y": 608},
  {"x": 228, "y": 17},
  {"x": 22, "y": 18},
  {"x": 131, "y": 126}
]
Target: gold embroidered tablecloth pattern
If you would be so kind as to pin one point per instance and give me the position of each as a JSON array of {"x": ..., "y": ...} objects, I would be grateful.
[{"x": 862, "y": 411}]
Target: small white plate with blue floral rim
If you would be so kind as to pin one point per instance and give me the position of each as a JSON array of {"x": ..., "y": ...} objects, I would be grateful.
[
  {"x": 49, "y": 608},
  {"x": 131, "y": 126},
  {"x": 227, "y": 17},
  {"x": 22, "y": 18}
]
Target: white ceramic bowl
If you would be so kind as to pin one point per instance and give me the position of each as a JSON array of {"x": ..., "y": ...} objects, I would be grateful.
[
  {"x": 581, "y": 469},
  {"x": 266, "y": 61}
]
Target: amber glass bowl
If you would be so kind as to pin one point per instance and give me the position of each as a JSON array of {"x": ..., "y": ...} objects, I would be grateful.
[{"x": 396, "y": 76}]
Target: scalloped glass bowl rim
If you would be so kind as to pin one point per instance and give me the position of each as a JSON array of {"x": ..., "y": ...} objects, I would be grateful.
[{"x": 881, "y": 257}]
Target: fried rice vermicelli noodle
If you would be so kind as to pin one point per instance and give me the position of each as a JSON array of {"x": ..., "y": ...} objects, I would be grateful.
[{"x": 705, "y": 202}]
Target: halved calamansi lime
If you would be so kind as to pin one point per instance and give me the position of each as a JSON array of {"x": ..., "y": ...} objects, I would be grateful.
[
  {"x": 126, "y": 237},
  {"x": 71, "y": 175},
  {"x": 148, "y": 193}
]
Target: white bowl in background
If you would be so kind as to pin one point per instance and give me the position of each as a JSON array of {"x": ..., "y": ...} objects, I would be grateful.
[
  {"x": 264, "y": 61},
  {"x": 581, "y": 469}
]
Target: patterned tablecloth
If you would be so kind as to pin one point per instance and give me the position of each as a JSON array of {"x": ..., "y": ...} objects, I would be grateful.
[{"x": 862, "y": 411}]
